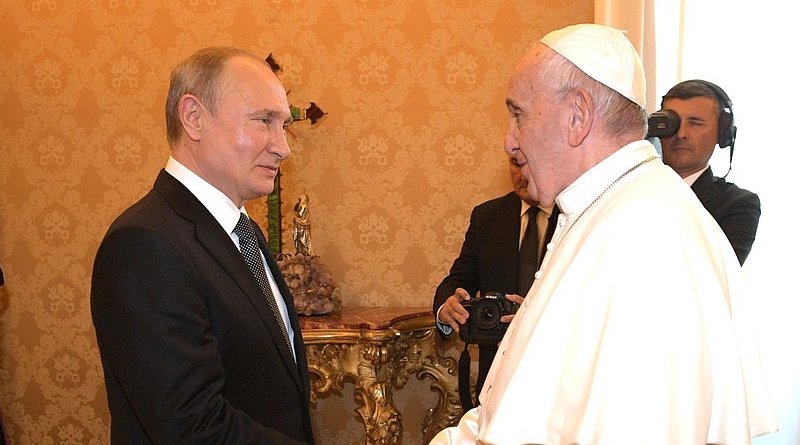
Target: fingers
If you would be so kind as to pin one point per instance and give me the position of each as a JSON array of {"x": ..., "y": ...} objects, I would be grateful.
[
  {"x": 453, "y": 313},
  {"x": 513, "y": 298}
]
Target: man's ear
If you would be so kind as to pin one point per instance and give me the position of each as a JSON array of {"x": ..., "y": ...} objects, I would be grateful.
[
  {"x": 190, "y": 112},
  {"x": 581, "y": 116}
]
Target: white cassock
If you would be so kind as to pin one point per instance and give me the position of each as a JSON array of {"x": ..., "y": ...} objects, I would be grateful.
[{"x": 636, "y": 330}]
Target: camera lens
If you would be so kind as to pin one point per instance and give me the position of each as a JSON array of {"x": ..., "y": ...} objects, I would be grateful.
[{"x": 486, "y": 314}]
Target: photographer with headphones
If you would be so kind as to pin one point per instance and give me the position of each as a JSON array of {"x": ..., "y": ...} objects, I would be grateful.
[{"x": 704, "y": 117}]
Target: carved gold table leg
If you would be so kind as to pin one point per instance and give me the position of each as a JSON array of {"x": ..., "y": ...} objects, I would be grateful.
[
  {"x": 418, "y": 352},
  {"x": 443, "y": 371},
  {"x": 378, "y": 360},
  {"x": 327, "y": 367},
  {"x": 382, "y": 421},
  {"x": 336, "y": 357}
]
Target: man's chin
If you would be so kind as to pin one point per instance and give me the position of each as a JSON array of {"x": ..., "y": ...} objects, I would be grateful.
[{"x": 264, "y": 188}]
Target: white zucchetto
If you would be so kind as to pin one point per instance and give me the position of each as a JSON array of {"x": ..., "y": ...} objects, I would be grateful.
[{"x": 605, "y": 54}]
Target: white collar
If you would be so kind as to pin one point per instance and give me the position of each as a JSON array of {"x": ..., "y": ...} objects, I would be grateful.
[
  {"x": 693, "y": 177},
  {"x": 220, "y": 206}
]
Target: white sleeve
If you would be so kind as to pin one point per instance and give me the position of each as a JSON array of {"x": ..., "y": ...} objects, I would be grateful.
[{"x": 462, "y": 434}]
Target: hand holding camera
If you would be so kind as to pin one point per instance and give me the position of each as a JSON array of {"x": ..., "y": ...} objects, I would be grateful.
[
  {"x": 452, "y": 313},
  {"x": 489, "y": 316}
]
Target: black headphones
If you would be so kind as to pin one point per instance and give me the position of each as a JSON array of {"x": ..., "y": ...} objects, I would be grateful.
[
  {"x": 726, "y": 136},
  {"x": 725, "y": 124}
]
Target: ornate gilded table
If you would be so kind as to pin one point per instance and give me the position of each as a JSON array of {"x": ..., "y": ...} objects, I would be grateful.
[{"x": 378, "y": 349}]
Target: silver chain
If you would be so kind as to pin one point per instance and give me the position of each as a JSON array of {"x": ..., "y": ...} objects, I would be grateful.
[{"x": 626, "y": 173}]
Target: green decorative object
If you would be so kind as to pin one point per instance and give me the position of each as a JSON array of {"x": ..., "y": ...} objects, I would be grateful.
[
  {"x": 297, "y": 113},
  {"x": 274, "y": 218}
]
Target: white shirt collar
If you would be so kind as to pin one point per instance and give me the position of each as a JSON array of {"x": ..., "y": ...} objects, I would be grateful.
[
  {"x": 693, "y": 177},
  {"x": 220, "y": 206},
  {"x": 525, "y": 206}
]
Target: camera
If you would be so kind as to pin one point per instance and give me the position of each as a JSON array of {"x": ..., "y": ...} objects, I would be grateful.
[
  {"x": 662, "y": 124},
  {"x": 483, "y": 325}
]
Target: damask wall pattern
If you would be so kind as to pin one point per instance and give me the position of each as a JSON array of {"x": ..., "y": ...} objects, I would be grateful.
[{"x": 412, "y": 140}]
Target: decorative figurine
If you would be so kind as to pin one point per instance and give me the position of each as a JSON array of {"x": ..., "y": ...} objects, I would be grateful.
[
  {"x": 302, "y": 228},
  {"x": 312, "y": 286}
]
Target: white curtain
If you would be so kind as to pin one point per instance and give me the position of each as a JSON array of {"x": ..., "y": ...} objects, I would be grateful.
[{"x": 748, "y": 49}]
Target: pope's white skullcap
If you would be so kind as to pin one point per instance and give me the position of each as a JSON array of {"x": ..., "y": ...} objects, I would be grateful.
[{"x": 603, "y": 53}]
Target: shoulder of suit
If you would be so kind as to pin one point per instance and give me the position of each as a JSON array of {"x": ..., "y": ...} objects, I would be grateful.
[
  {"x": 730, "y": 188},
  {"x": 505, "y": 202}
]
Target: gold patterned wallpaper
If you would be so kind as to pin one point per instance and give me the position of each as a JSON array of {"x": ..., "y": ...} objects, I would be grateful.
[{"x": 412, "y": 141}]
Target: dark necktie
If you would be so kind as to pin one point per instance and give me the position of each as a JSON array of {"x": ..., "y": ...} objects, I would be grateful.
[
  {"x": 252, "y": 255},
  {"x": 528, "y": 252}
]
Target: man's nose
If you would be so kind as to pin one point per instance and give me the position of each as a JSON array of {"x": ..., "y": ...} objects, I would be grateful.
[{"x": 280, "y": 146}]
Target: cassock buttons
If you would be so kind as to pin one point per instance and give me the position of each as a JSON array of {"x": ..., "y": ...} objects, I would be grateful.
[
  {"x": 538, "y": 274},
  {"x": 550, "y": 246}
]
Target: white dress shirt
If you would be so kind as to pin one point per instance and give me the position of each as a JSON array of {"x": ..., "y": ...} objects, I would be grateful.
[{"x": 227, "y": 214}]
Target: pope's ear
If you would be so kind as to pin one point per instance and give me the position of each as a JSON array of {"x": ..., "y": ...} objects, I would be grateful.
[
  {"x": 581, "y": 112},
  {"x": 190, "y": 112}
]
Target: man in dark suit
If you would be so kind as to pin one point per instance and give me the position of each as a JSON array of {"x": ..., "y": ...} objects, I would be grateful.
[
  {"x": 194, "y": 347},
  {"x": 706, "y": 120},
  {"x": 489, "y": 261}
]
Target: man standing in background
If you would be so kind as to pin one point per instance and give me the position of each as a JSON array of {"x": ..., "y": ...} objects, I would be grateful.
[
  {"x": 705, "y": 115},
  {"x": 491, "y": 260}
]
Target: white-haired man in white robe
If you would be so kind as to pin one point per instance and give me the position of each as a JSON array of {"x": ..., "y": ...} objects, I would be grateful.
[{"x": 636, "y": 330}]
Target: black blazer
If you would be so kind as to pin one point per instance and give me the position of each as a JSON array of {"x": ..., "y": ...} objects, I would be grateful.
[
  {"x": 736, "y": 210},
  {"x": 190, "y": 350},
  {"x": 488, "y": 260}
]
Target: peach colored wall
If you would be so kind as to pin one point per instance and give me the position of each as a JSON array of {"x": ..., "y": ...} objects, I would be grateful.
[{"x": 414, "y": 91}]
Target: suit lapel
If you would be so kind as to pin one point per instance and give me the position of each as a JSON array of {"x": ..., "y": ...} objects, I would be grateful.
[
  {"x": 219, "y": 245},
  {"x": 704, "y": 187}
]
